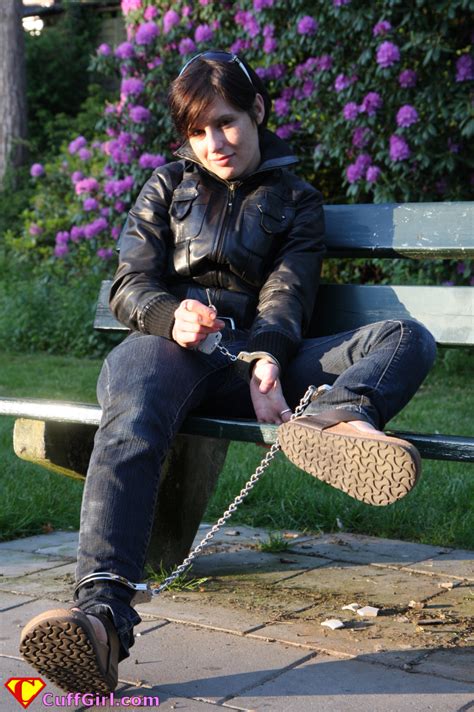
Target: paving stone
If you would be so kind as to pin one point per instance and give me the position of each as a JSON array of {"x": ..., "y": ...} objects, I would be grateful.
[
  {"x": 56, "y": 583},
  {"x": 331, "y": 685},
  {"x": 19, "y": 563},
  {"x": 366, "y": 585},
  {"x": 10, "y": 600},
  {"x": 202, "y": 609},
  {"x": 16, "y": 618},
  {"x": 56, "y": 540},
  {"x": 457, "y": 602},
  {"x": 455, "y": 564},
  {"x": 367, "y": 550},
  {"x": 249, "y": 536},
  {"x": 248, "y": 563},
  {"x": 384, "y": 639},
  {"x": 455, "y": 664},
  {"x": 190, "y": 662}
]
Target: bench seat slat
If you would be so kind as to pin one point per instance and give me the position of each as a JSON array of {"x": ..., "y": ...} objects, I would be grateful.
[{"x": 436, "y": 447}]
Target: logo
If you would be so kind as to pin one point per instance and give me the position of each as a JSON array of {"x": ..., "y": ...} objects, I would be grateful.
[{"x": 25, "y": 689}]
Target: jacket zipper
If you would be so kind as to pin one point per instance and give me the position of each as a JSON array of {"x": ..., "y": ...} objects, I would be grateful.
[{"x": 231, "y": 188}]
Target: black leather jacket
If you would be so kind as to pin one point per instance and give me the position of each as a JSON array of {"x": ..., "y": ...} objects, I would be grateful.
[{"x": 256, "y": 243}]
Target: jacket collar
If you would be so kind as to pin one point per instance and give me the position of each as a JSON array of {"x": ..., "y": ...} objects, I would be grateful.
[{"x": 274, "y": 152}]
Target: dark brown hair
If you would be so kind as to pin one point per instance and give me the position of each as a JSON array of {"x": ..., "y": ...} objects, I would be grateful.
[{"x": 205, "y": 78}]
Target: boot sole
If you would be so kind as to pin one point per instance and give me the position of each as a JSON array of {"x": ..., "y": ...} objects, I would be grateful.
[
  {"x": 62, "y": 651},
  {"x": 375, "y": 471}
]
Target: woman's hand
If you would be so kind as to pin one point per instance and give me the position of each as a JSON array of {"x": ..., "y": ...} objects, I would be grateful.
[
  {"x": 193, "y": 321},
  {"x": 267, "y": 395}
]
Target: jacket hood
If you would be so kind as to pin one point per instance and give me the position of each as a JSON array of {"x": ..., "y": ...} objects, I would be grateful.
[{"x": 274, "y": 152}]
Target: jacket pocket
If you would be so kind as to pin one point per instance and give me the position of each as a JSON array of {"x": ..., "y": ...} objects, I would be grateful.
[
  {"x": 186, "y": 214},
  {"x": 265, "y": 217}
]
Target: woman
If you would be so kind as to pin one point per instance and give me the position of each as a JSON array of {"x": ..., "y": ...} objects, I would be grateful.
[{"x": 224, "y": 239}]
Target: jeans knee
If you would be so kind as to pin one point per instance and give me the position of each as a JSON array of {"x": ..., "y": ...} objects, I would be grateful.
[{"x": 421, "y": 341}]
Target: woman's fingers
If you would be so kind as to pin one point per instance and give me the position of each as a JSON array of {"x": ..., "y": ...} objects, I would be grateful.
[{"x": 193, "y": 322}]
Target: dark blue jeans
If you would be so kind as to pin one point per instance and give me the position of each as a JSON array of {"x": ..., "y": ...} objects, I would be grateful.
[{"x": 147, "y": 387}]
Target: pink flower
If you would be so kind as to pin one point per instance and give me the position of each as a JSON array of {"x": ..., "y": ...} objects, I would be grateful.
[
  {"x": 203, "y": 33},
  {"x": 340, "y": 3},
  {"x": 399, "y": 149},
  {"x": 131, "y": 87},
  {"x": 325, "y": 62},
  {"x": 125, "y": 50},
  {"x": 104, "y": 50},
  {"x": 387, "y": 54},
  {"x": 61, "y": 250},
  {"x": 140, "y": 114},
  {"x": 146, "y": 33},
  {"x": 62, "y": 237},
  {"x": 86, "y": 185},
  {"x": 95, "y": 227},
  {"x": 381, "y": 28},
  {"x": 350, "y": 111},
  {"x": 150, "y": 12},
  {"x": 77, "y": 144},
  {"x": 90, "y": 204},
  {"x": 270, "y": 45},
  {"x": 261, "y": 4},
  {"x": 130, "y": 6},
  {"x": 282, "y": 107},
  {"x": 407, "y": 78},
  {"x": 307, "y": 25},
  {"x": 465, "y": 68},
  {"x": 371, "y": 103},
  {"x": 77, "y": 233},
  {"x": 186, "y": 46},
  {"x": 105, "y": 253},
  {"x": 115, "y": 232},
  {"x": 407, "y": 115},
  {"x": 170, "y": 20},
  {"x": 341, "y": 82},
  {"x": 373, "y": 173},
  {"x": 149, "y": 160},
  {"x": 360, "y": 137},
  {"x": 35, "y": 230},
  {"x": 84, "y": 154},
  {"x": 37, "y": 170}
]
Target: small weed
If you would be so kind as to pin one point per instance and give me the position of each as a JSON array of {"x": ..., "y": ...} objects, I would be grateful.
[
  {"x": 275, "y": 542},
  {"x": 181, "y": 583}
]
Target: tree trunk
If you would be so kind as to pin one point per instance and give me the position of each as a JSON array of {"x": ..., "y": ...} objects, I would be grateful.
[{"x": 12, "y": 87}]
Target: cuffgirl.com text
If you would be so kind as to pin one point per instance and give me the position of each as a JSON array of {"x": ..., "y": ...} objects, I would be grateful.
[{"x": 88, "y": 699}]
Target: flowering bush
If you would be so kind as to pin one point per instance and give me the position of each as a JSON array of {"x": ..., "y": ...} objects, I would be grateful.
[{"x": 372, "y": 96}]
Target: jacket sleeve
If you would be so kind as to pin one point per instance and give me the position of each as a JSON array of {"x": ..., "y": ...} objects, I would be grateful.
[
  {"x": 139, "y": 297},
  {"x": 288, "y": 295}
]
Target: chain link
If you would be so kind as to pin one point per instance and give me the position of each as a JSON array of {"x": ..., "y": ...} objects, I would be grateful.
[
  {"x": 240, "y": 497},
  {"x": 226, "y": 352}
]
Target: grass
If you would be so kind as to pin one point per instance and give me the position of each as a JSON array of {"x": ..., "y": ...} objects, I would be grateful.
[{"x": 437, "y": 512}]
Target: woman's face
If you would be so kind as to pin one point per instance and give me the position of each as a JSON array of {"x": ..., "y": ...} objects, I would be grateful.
[{"x": 225, "y": 139}]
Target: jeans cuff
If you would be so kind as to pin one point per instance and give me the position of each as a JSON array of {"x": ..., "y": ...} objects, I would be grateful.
[{"x": 363, "y": 408}]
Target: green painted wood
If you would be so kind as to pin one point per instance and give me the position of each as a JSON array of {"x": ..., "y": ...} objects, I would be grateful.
[
  {"x": 433, "y": 447},
  {"x": 416, "y": 230},
  {"x": 448, "y": 312}
]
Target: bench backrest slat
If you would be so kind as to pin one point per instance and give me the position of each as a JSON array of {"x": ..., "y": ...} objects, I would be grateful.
[
  {"x": 448, "y": 312},
  {"x": 416, "y": 230}
]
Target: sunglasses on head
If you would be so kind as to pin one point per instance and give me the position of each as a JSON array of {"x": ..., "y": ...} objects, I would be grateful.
[{"x": 219, "y": 56}]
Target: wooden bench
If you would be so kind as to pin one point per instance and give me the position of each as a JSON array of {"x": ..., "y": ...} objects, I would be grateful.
[{"x": 59, "y": 436}]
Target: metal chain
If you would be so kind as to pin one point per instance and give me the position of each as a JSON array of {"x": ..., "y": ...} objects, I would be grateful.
[
  {"x": 240, "y": 497},
  {"x": 227, "y": 353}
]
